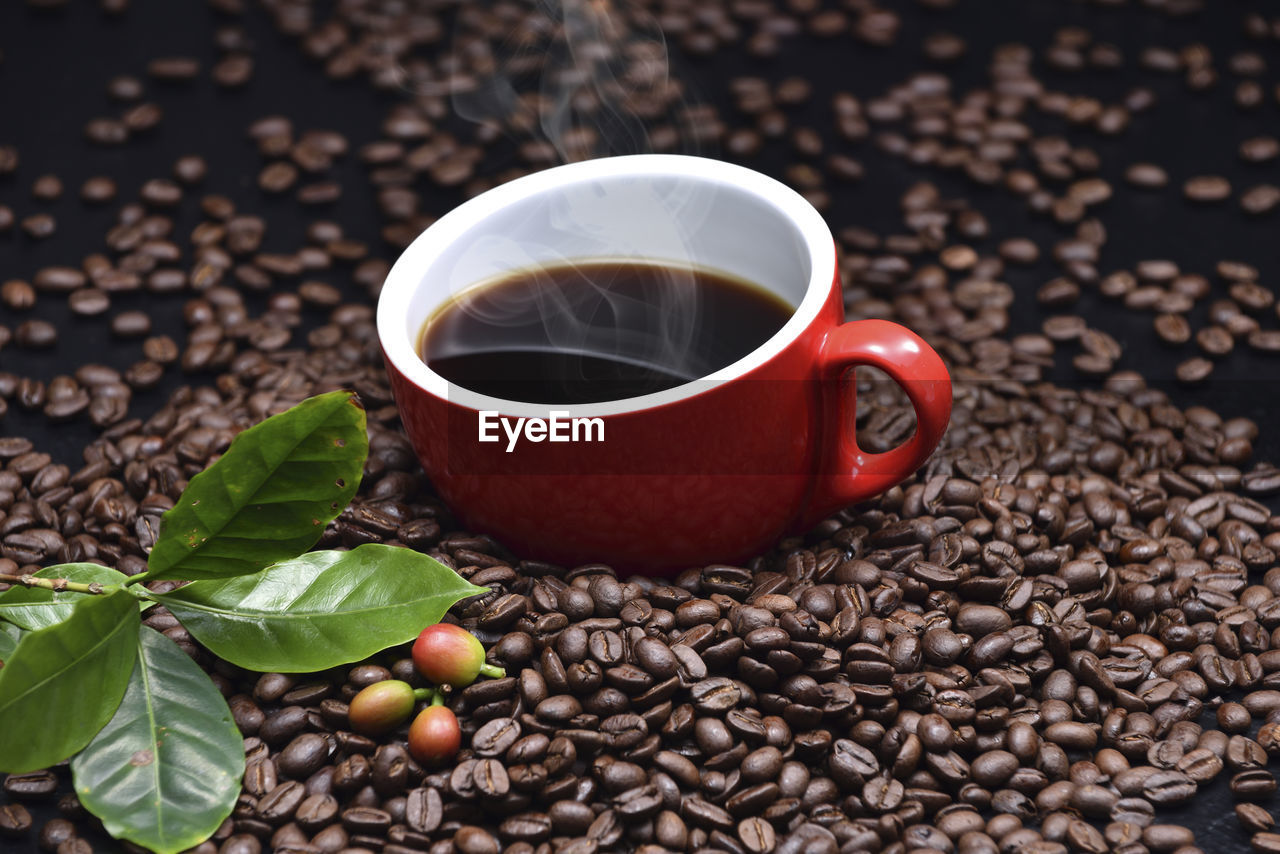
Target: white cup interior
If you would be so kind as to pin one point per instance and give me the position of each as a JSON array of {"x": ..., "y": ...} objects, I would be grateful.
[{"x": 655, "y": 208}]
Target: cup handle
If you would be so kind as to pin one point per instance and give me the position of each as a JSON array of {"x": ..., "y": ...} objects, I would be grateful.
[{"x": 850, "y": 474}]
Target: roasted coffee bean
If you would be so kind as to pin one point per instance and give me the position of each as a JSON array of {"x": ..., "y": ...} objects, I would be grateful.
[
  {"x": 1260, "y": 199},
  {"x": 144, "y": 375},
  {"x": 1168, "y": 787},
  {"x": 715, "y": 695},
  {"x": 260, "y": 776},
  {"x": 1194, "y": 370},
  {"x": 303, "y": 756},
  {"x": 1146, "y": 176},
  {"x": 1215, "y": 341},
  {"x": 17, "y": 295},
  {"x": 1064, "y": 327},
  {"x": 526, "y": 827},
  {"x": 88, "y": 302},
  {"x": 15, "y": 820},
  {"x": 495, "y": 737},
  {"x": 1259, "y": 149},
  {"x": 281, "y": 726},
  {"x": 36, "y": 785},
  {"x": 655, "y": 657},
  {"x": 161, "y": 349},
  {"x": 35, "y": 335},
  {"x": 475, "y": 840},
  {"x": 75, "y": 845},
  {"x": 131, "y": 324},
  {"x": 233, "y": 71},
  {"x": 320, "y": 294},
  {"x": 190, "y": 169},
  {"x": 98, "y": 189},
  {"x": 278, "y": 177},
  {"x": 423, "y": 810},
  {"x": 757, "y": 835},
  {"x": 1201, "y": 765},
  {"x": 39, "y": 226},
  {"x": 1254, "y": 818},
  {"x": 55, "y": 832},
  {"x": 1173, "y": 328},
  {"x": 104, "y": 131},
  {"x": 316, "y": 811},
  {"x": 1166, "y": 837},
  {"x": 46, "y": 188},
  {"x": 278, "y": 805},
  {"x": 58, "y": 279},
  {"x": 171, "y": 68},
  {"x": 365, "y": 819},
  {"x": 1244, "y": 753},
  {"x": 1207, "y": 188},
  {"x": 1253, "y": 784},
  {"x": 491, "y": 779},
  {"x": 161, "y": 193},
  {"x": 319, "y": 192}
]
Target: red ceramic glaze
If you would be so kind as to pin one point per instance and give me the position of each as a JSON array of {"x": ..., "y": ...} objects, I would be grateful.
[{"x": 710, "y": 472}]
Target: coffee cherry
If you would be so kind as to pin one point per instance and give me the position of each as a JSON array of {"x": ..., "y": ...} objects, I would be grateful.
[
  {"x": 381, "y": 707},
  {"x": 450, "y": 655},
  {"x": 434, "y": 735}
]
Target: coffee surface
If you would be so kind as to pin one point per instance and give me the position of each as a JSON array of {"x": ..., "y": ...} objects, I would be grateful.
[{"x": 596, "y": 331}]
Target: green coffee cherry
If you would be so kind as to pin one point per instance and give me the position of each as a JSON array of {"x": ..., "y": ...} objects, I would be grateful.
[
  {"x": 381, "y": 707},
  {"x": 434, "y": 735},
  {"x": 450, "y": 655}
]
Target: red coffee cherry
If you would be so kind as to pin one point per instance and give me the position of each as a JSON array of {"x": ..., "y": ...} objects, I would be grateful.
[
  {"x": 450, "y": 655},
  {"x": 434, "y": 735}
]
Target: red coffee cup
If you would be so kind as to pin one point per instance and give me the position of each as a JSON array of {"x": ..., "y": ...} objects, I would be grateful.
[{"x": 711, "y": 471}]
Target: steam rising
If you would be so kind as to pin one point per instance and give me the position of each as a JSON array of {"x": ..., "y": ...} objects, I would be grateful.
[
  {"x": 585, "y": 315},
  {"x": 589, "y": 77},
  {"x": 653, "y": 326},
  {"x": 576, "y": 80}
]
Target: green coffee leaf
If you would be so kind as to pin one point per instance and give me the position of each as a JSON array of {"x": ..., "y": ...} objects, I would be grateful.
[
  {"x": 9, "y": 637},
  {"x": 321, "y": 609},
  {"x": 165, "y": 771},
  {"x": 269, "y": 496},
  {"x": 63, "y": 682},
  {"x": 38, "y": 607}
]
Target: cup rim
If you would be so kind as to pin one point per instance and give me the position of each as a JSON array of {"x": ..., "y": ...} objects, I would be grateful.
[{"x": 405, "y": 276}]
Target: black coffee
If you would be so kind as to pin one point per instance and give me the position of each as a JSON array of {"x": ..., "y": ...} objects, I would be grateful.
[{"x": 596, "y": 331}]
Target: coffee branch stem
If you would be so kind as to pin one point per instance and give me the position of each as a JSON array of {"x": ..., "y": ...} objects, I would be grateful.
[{"x": 57, "y": 585}]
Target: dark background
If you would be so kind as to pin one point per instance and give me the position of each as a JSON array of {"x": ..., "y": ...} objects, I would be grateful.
[{"x": 55, "y": 64}]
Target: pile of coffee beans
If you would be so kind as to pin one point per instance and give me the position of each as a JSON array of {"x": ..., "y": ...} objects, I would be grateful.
[{"x": 1055, "y": 637}]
